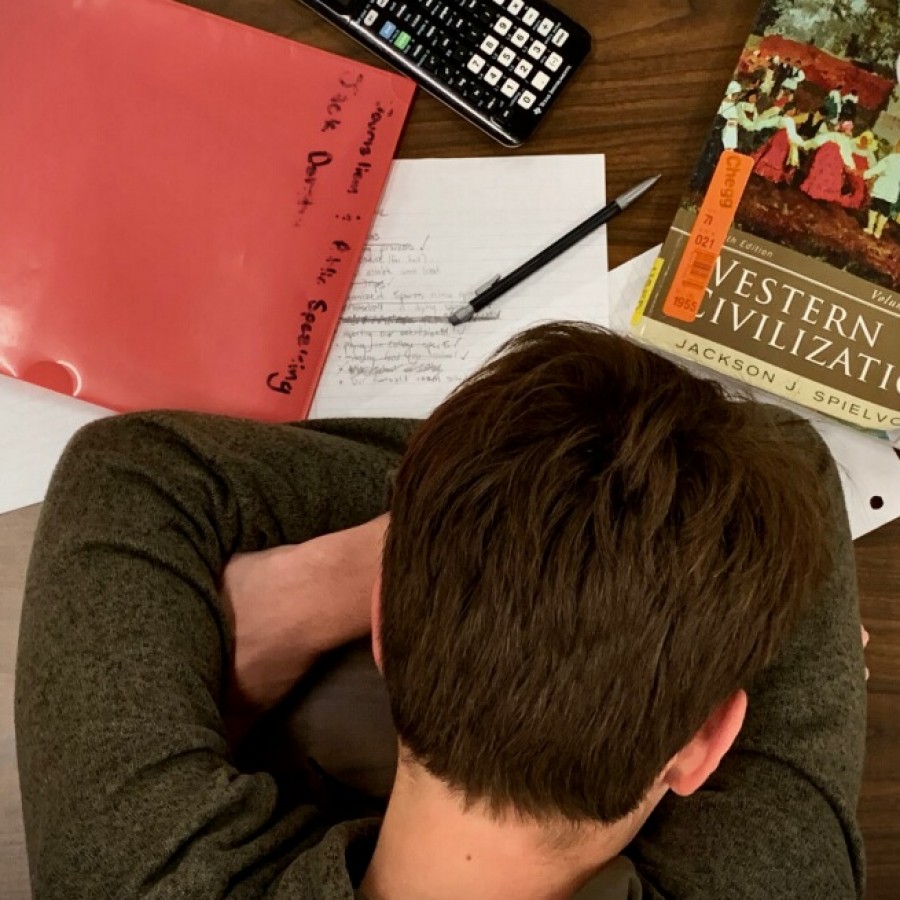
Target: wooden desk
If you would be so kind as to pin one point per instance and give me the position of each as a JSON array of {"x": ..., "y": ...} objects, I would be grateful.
[{"x": 645, "y": 99}]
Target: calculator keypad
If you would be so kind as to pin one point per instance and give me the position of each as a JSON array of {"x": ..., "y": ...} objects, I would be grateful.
[
  {"x": 503, "y": 58},
  {"x": 490, "y": 44},
  {"x": 506, "y": 56}
]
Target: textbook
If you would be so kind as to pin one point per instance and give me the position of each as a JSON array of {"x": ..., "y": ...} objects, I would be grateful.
[
  {"x": 185, "y": 201},
  {"x": 782, "y": 266}
]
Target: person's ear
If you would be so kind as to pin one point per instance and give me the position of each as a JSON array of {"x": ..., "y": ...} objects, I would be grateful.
[
  {"x": 376, "y": 621},
  {"x": 700, "y": 757}
]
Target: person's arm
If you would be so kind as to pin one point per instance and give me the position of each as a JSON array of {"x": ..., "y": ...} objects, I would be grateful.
[
  {"x": 127, "y": 785},
  {"x": 791, "y": 128},
  {"x": 273, "y": 600},
  {"x": 876, "y": 170},
  {"x": 778, "y": 818}
]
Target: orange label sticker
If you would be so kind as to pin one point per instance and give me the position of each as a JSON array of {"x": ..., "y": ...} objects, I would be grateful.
[{"x": 708, "y": 236}]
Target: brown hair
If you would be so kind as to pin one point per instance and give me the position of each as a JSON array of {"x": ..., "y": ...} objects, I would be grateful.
[{"x": 589, "y": 549}]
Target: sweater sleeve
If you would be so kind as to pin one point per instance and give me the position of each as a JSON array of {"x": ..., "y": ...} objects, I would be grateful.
[
  {"x": 778, "y": 818},
  {"x": 127, "y": 784}
]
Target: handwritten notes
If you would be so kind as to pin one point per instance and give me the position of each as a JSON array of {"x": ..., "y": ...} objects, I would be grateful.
[
  {"x": 444, "y": 228},
  {"x": 349, "y": 209}
]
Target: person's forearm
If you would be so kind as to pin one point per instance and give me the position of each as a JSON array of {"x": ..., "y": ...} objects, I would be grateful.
[
  {"x": 289, "y": 605},
  {"x": 347, "y": 568}
]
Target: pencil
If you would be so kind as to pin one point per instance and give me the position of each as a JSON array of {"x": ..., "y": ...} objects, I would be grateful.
[{"x": 558, "y": 247}]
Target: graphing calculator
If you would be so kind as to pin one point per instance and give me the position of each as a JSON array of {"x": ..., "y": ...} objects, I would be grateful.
[{"x": 498, "y": 63}]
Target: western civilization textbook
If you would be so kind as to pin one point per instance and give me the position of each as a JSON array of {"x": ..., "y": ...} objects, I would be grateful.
[{"x": 782, "y": 266}]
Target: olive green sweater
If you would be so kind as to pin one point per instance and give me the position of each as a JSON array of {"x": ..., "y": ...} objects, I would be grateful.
[{"x": 129, "y": 787}]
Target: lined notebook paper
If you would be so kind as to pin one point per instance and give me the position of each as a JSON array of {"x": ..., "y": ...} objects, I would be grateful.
[{"x": 445, "y": 227}]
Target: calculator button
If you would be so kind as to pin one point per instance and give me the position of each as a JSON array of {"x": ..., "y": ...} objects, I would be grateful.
[
  {"x": 509, "y": 87},
  {"x": 526, "y": 101},
  {"x": 506, "y": 56},
  {"x": 530, "y": 16},
  {"x": 520, "y": 37},
  {"x": 540, "y": 81},
  {"x": 560, "y": 37},
  {"x": 490, "y": 44},
  {"x": 545, "y": 27},
  {"x": 536, "y": 50},
  {"x": 475, "y": 64},
  {"x": 553, "y": 62},
  {"x": 503, "y": 25},
  {"x": 381, "y": 3},
  {"x": 471, "y": 33},
  {"x": 371, "y": 17},
  {"x": 493, "y": 75},
  {"x": 515, "y": 6},
  {"x": 401, "y": 42},
  {"x": 523, "y": 68},
  {"x": 388, "y": 30},
  {"x": 461, "y": 55}
]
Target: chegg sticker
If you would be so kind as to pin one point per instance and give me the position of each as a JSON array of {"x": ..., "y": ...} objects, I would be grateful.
[{"x": 708, "y": 236}]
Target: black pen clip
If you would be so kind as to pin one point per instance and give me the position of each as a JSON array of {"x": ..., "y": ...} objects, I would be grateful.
[{"x": 489, "y": 283}]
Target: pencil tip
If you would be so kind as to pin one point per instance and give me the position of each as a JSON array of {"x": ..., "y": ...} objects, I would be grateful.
[{"x": 631, "y": 195}]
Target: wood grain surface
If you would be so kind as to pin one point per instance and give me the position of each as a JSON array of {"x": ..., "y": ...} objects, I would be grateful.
[{"x": 645, "y": 98}]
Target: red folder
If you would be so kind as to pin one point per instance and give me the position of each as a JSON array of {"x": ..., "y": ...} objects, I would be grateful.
[{"x": 183, "y": 203}]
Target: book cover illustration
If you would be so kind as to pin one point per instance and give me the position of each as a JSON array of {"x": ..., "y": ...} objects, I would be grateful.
[{"x": 802, "y": 298}]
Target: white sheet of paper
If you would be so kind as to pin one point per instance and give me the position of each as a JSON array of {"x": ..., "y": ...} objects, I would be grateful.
[
  {"x": 445, "y": 227},
  {"x": 35, "y": 426},
  {"x": 869, "y": 468}
]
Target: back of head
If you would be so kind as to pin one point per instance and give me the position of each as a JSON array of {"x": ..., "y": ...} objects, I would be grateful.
[{"x": 589, "y": 549}]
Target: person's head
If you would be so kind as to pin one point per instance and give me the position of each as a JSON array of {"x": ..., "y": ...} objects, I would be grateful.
[{"x": 590, "y": 553}]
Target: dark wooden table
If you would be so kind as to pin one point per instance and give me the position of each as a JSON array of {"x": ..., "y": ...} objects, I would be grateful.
[{"x": 645, "y": 98}]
